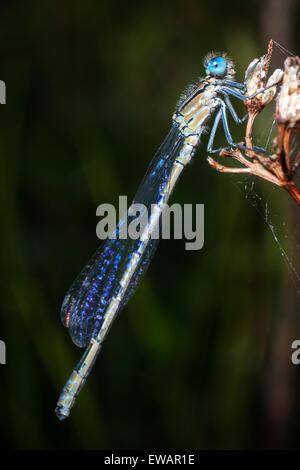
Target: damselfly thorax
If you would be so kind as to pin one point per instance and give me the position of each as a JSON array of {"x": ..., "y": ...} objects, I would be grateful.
[{"x": 193, "y": 114}]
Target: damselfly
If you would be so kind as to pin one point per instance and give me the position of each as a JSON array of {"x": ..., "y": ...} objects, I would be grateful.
[{"x": 112, "y": 275}]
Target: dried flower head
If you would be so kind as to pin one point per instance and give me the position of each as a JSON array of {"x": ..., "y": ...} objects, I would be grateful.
[
  {"x": 288, "y": 101},
  {"x": 256, "y": 80}
]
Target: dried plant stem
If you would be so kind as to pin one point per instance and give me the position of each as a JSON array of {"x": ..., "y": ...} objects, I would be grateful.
[{"x": 293, "y": 191}]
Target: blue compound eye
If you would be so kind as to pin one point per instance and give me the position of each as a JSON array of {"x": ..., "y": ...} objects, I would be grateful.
[{"x": 216, "y": 66}]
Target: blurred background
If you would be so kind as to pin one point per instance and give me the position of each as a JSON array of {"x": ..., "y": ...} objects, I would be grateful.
[{"x": 200, "y": 357}]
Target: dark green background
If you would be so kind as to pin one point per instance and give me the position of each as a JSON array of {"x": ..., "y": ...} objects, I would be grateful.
[{"x": 200, "y": 358}]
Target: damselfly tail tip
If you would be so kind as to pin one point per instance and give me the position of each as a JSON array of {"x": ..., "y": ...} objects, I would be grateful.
[{"x": 62, "y": 412}]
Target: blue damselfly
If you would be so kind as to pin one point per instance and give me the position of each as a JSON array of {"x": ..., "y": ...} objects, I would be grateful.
[{"x": 110, "y": 278}]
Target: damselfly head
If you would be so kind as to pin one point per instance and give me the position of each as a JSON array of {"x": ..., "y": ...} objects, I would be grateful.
[{"x": 219, "y": 65}]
